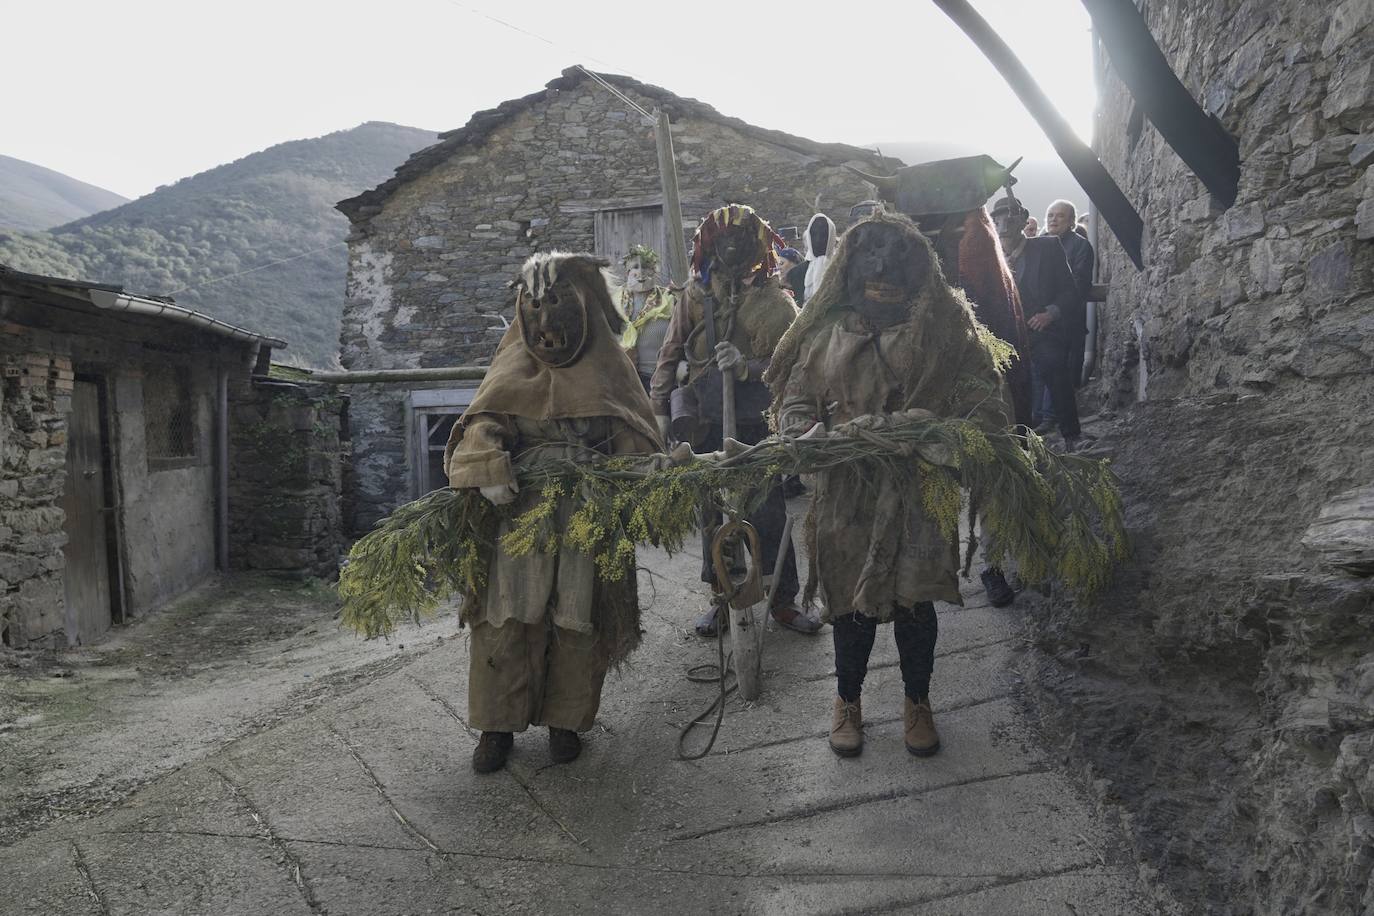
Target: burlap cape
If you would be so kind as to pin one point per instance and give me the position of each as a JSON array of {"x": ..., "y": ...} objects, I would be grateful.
[
  {"x": 602, "y": 383},
  {"x": 872, "y": 546},
  {"x": 941, "y": 317}
]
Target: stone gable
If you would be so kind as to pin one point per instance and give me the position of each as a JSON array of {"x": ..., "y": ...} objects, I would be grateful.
[{"x": 430, "y": 262}]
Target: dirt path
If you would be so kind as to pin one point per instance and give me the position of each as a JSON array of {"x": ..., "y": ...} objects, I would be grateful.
[
  {"x": 81, "y": 729},
  {"x": 357, "y": 798}
]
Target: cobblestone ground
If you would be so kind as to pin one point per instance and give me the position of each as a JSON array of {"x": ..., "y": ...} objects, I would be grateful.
[{"x": 354, "y": 795}]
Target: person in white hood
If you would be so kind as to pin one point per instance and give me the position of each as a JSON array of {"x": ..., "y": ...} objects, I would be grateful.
[{"x": 821, "y": 239}]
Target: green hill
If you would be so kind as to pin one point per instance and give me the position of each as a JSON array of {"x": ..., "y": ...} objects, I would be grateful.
[
  {"x": 32, "y": 197},
  {"x": 266, "y": 207}
]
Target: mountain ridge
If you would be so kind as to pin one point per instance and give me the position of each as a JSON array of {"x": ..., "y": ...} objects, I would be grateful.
[
  {"x": 207, "y": 237},
  {"x": 34, "y": 197}
]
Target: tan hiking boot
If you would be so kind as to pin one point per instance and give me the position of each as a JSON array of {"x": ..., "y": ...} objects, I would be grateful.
[
  {"x": 847, "y": 729},
  {"x": 921, "y": 737}
]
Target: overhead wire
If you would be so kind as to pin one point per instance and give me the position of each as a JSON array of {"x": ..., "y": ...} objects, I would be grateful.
[
  {"x": 253, "y": 270},
  {"x": 553, "y": 44}
]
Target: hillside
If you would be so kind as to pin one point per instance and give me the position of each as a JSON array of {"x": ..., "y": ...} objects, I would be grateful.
[
  {"x": 32, "y": 197},
  {"x": 269, "y": 206},
  {"x": 1039, "y": 181}
]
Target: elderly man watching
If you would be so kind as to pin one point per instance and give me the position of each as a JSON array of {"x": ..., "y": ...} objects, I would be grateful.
[{"x": 1060, "y": 221}]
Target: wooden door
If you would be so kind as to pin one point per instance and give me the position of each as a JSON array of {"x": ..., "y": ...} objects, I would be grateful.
[
  {"x": 87, "y": 577},
  {"x": 617, "y": 231}
]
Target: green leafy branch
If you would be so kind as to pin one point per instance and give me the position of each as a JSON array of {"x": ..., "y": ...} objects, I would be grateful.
[{"x": 1058, "y": 516}]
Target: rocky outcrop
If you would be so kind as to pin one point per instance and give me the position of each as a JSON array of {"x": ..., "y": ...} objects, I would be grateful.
[{"x": 1223, "y": 690}]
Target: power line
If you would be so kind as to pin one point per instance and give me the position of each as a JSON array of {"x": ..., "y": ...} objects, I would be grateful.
[
  {"x": 253, "y": 270},
  {"x": 553, "y": 44},
  {"x": 616, "y": 92}
]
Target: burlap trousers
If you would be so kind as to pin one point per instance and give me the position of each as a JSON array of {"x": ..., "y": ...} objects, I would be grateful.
[{"x": 525, "y": 674}]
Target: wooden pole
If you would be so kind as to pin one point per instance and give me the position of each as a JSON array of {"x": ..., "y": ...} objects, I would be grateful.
[
  {"x": 1197, "y": 137},
  {"x": 672, "y": 203},
  {"x": 369, "y": 376},
  {"x": 1087, "y": 170},
  {"x": 746, "y": 626}
]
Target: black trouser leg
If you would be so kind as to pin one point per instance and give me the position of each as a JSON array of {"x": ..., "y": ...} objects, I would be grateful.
[
  {"x": 916, "y": 630},
  {"x": 1051, "y": 359},
  {"x": 854, "y": 635}
]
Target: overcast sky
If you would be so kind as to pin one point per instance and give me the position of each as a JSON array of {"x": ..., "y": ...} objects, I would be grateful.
[{"x": 133, "y": 94}]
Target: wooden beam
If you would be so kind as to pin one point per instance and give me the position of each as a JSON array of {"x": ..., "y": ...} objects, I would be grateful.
[
  {"x": 374, "y": 376},
  {"x": 1087, "y": 170},
  {"x": 1197, "y": 136},
  {"x": 672, "y": 205}
]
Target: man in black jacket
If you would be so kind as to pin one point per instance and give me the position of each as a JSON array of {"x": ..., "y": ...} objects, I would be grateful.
[
  {"x": 1060, "y": 222},
  {"x": 1051, "y": 303}
]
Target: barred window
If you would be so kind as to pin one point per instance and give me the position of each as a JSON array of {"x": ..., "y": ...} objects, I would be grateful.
[{"x": 169, "y": 416}]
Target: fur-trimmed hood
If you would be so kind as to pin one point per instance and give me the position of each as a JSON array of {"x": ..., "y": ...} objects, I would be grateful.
[{"x": 941, "y": 314}]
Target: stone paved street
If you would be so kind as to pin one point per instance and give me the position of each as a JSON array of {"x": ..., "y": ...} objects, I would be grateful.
[{"x": 364, "y": 802}]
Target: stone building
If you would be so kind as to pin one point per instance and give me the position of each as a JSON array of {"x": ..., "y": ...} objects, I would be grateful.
[
  {"x": 1225, "y": 689},
  {"x": 120, "y": 419},
  {"x": 570, "y": 167}
]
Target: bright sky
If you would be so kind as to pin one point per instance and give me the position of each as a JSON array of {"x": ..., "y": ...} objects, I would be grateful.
[{"x": 138, "y": 93}]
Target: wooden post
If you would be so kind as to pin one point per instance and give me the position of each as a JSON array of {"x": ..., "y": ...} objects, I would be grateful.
[
  {"x": 672, "y": 203},
  {"x": 746, "y": 626}
]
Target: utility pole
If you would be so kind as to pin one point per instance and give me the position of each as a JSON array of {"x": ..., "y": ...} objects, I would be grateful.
[
  {"x": 746, "y": 626},
  {"x": 672, "y": 203}
]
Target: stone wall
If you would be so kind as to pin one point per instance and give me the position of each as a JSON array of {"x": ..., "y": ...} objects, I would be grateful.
[
  {"x": 286, "y": 479},
  {"x": 164, "y": 514},
  {"x": 1224, "y": 690},
  {"x": 35, "y": 396},
  {"x": 428, "y": 273}
]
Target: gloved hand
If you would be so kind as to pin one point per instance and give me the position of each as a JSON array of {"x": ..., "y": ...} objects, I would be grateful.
[
  {"x": 500, "y": 494},
  {"x": 682, "y": 369},
  {"x": 730, "y": 359},
  {"x": 663, "y": 426}
]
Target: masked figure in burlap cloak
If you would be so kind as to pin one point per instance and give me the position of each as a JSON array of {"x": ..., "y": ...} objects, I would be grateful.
[
  {"x": 883, "y": 334},
  {"x": 544, "y": 629},
  {"x": 735, "y": 272}
]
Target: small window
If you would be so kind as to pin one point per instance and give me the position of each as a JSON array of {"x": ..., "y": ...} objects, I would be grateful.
[{"x": 169, "y": 417}]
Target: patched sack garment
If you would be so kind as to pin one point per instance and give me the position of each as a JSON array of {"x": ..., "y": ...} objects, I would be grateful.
[
  {"x": 538, "y": 585},
  {"x": 544, "y": 630},
  {"x": 875, "y": 549}
]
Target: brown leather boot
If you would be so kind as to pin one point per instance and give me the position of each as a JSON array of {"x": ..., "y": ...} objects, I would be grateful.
[
  {"x": 921, "y": 737},
  {"x": 564, "y": 745},
  {"x": 847, "y": 728},
  {"x": 491, "y": 752}
]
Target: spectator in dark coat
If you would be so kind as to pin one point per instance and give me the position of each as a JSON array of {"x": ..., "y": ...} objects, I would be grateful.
[
  {"x": 1050, "y": 302},
  {"x": 1060, "y": 221}
]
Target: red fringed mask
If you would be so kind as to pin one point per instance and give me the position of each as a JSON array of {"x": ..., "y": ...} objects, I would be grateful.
[{"x": 716, "y": 222}]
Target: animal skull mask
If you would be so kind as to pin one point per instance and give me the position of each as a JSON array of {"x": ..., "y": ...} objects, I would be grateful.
[{"x": 552, "y": 308}]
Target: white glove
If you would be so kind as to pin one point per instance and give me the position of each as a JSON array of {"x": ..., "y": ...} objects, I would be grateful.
[
  {"x": 729, "y": 358},
  {"x": 500, "y": 494},
  {"x": 682, "y": 369},
  {"x": 663, "y": 425}
]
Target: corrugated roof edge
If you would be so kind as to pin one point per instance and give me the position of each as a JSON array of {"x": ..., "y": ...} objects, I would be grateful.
[
  {"x": 109, "y": 297},
  {"x": 367, "y": 204}
]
